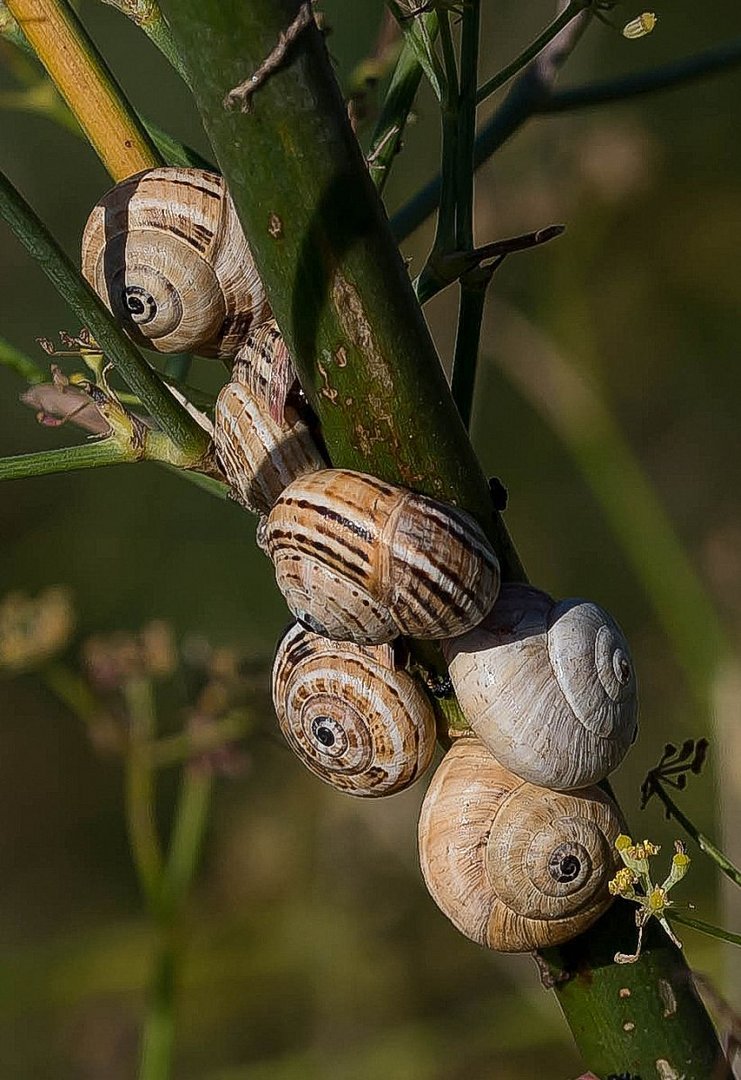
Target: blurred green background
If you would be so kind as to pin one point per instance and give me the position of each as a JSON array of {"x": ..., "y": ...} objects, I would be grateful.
[{"x": 609, "y": 396}]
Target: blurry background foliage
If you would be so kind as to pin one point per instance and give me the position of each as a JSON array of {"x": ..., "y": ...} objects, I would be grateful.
[{"x": 314, "y": 949}]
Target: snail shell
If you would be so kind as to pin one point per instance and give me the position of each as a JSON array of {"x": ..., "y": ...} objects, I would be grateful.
[
  {"x": 514, "y": 866},
  {"x": 548, "y": 686},
  {"x": 353, "y": 718},
  {"x": 359, "y": 559},
  {"x": 262, "y": 442},
  {"x": 165, "y": 252}
]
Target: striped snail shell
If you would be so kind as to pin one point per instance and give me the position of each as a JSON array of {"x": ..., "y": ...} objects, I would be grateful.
[
  {"x": 514, "y": 866},
  {"x": 548, "y": 686},
  {"x": 362, "y": 560},
  {"x": 165, "y": 252},
  {"x": 262, "y": 442},
  {"x": 353, "y": 718}
]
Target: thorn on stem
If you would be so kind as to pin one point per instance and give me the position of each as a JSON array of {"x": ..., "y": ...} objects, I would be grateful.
[{"x": 241, "y": 96}]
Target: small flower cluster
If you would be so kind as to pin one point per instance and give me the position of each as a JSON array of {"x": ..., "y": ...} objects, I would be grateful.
[{"x": 633, "y": 882}]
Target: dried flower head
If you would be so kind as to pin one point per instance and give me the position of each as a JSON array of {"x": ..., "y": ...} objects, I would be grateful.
[{"x": 34, "y": 629}]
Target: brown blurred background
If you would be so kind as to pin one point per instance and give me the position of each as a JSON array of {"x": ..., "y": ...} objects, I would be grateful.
[{"x": 314, "y": 950}]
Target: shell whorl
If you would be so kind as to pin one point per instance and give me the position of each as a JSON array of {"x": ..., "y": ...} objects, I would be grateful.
[
  {"x": 261, "y": 453},
  {"x": 359, "y": 559},
  {"x": 548, "y": 686},
  {"x": 514, "y": 866},
  {"x": 353, "y": 718},
  {"x": 166, "y": 253}
]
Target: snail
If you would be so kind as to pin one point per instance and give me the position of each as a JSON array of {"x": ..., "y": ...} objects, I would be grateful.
[
  {"x": 548, "y": 686},
  {"x": 514, "y": 866},
  {"x": 166, "y": 253},
  {"x": 262, "y": 442},
  {"x": 351, "y": 715},
  {"x": 362, "y": 560}
]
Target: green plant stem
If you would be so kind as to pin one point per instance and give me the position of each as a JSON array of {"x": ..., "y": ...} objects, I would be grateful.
[
  {"x": 141, "y": 812},
  {"x": 704, "y": 928},
  {"x": 445, "y": 240},
  {"x": 146, "y": 14},
  {"x": 386, "y": 140},
  {"x": 174, "y": 420},
  {"x": 191, "y": 817},
  {"x": 705, "y": 845},
  {"x": 18, "y": 362},
  {"x": 158, "y": 1035},
  {"x": 343, "y": 302},
  {"x": 467, "y": 341},
  {"x": 420, "y": 37},
  {"x": 470, "y": 33},
  {"x": 570, "y": 12},
  {"x": 176, "y": 749},
  {"x": 336, "y": 280},
  {"x": 89, "y": 455}
]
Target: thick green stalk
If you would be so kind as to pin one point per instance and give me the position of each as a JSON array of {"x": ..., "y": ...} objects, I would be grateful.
[
  {"x": 174, "y": 420},
  {"x": 321, "y": 239},
  {"x": 344, "y": 302}
]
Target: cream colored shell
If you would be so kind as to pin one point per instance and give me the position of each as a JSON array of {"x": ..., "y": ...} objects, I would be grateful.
[
  {"x": 350, "y": 715},
  {"x": 259, "y": 452},
  {"x": 165, "y": 251},
  {"x": 362, "y": 560},
  {"x": 548, "y": 686},
  {"x": 514, "y": 866}
]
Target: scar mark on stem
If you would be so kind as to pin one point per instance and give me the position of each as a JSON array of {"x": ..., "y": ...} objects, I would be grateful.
[{"x": 327, "y": 391}]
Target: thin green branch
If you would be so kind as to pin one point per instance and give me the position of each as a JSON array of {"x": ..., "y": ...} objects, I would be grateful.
[
  {"x": 147, "y": 16},
  {"x": 141, "y": 812},
  {"x": 468, "y": 338},
  {"x": 724, "y": 864},
  {"x": 174, "y": 420},
  {"x": 573, "y": 9},
  {"x": 419, "y": 36},
  {"x": 713, "y": 61},
  {"x": 466, "y": 136},
  {"x": 397, "y": 104},
  {"x": 704, "y": 928},
  {"x": 191, "y": 815},
  {"x": 181, "y": 748},
  {"x": 20, "y": 364},
  {"x": 89, "y": 455}
]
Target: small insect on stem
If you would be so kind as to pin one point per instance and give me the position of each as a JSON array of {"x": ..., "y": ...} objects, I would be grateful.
[
  {"x": 241, "y": 96},
  {"x": 640, "y": 26}
]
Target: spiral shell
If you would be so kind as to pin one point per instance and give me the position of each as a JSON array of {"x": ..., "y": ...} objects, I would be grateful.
[
  {"x": 548, "y": 686},
  {"x": 166, "y": 253},
  {"x": 350, "y": 715},
  {"x": 358, "y": 559},
  {"x": 262, "y": 442},
  {"x": 514, "y": 866}
]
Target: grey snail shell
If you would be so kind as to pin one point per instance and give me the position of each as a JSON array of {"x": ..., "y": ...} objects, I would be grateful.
[
  {"x": 165, "y": 252},
  {"x": 353, "y": 718},
  {"x": 548, "y": 686},
  {"x": 362, "y": 560},
  {"x": 262, "y": 442},
  {"x": 514, "y": 866}
]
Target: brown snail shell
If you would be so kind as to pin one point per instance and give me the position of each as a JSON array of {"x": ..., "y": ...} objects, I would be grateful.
[
  {"x": 262, "y": 442},
  {"x": 548, "y": 686},
  {"x": 514, "y": 866},
  {"x": 359, "y": 559},
  {"x": 165, "y": 252},
  {"x": 353, "y": 718}
]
